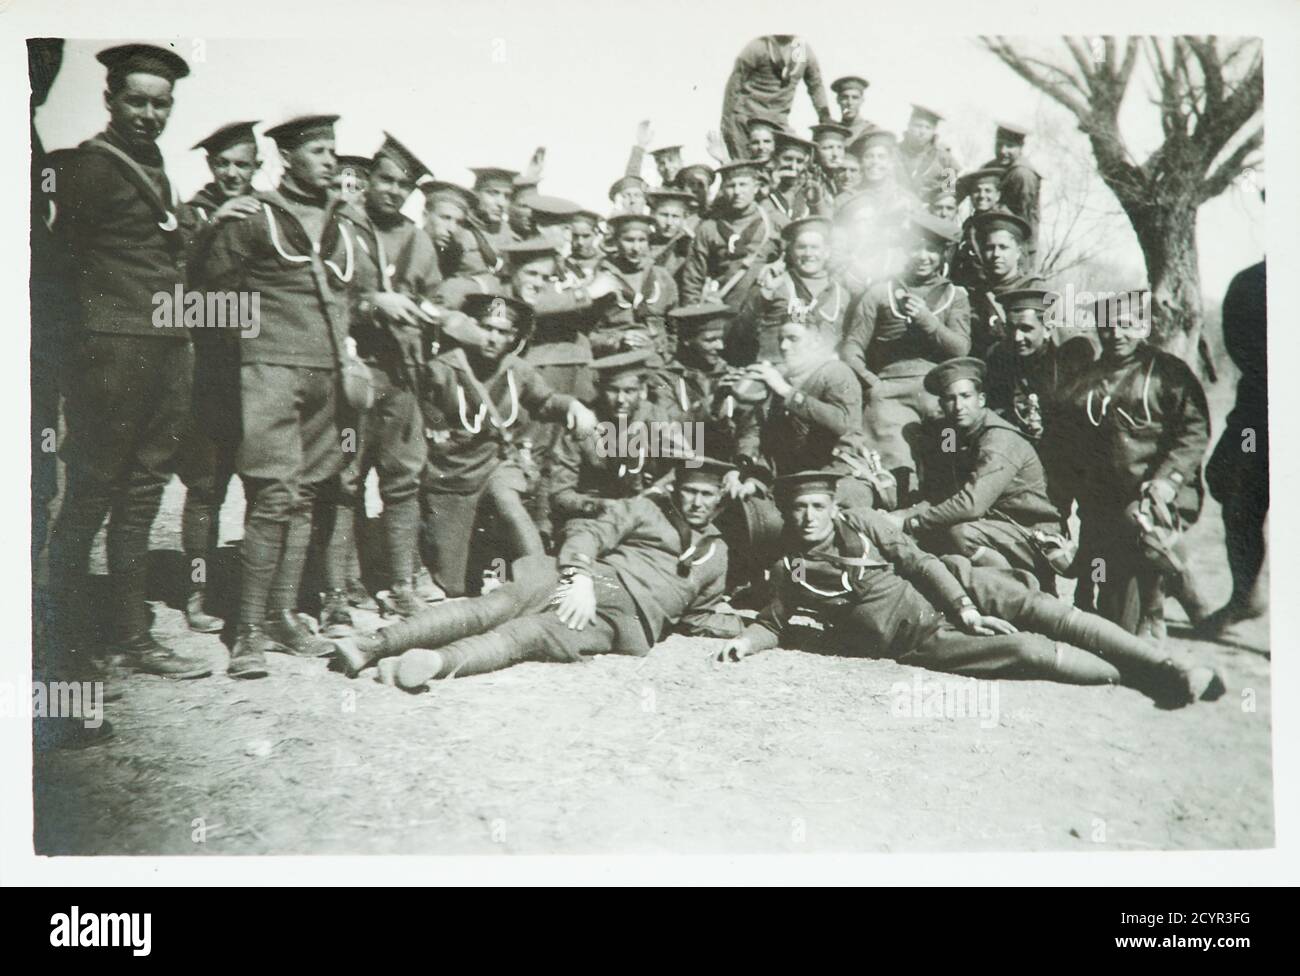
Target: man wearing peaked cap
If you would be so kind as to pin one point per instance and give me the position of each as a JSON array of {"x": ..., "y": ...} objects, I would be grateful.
[
  {"x": 291, "y": 377},
  {"x": 633, "y": 446},
  {"x": 902, "y": 327},
  {"x": 797, "y": 189},
  {"x": 128, "y": 387},
  {"x": 1021, "y": 185},
  {"x": 627, "y": 193},
  {"x": 764, "y": 80},
  {"x": 983, "y": 186},
  {"x": 761, "y": 132},
  {"x": 1137, "y": 426},
  {"x": 395, "y": 284},
  {"x": 926, "y": 161},
  {"x": 877, "y": 594},
  {"x": 1005, "y": 265},
  {"x": 734, "y": 242},
  {"x": 633, "y": 315},
  {"x": 668, "y": 160},
  {"x": 849, "y": 92},
  {"x": 586, "y": 229},
  {"x": 987, "y": 499},
  {"x": 1029, "y": 375},
  {"x": 621, "y": 582},
  {"x": 699, "y": 374},
  {"x": 206, "y": 461},
  {"x": 490, "y": 224},
  {"x": 697, "y": 180},
  {"x": 481, "y": 467},
  {"x": 670, "y": 238},
  {"x": 553, "y": 218},
  {"x": 447, "y": 210},
  {"x": 797, "y": 286}
]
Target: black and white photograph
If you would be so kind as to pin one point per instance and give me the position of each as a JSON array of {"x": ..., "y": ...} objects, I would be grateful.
[{"x": 591, "y": 429}]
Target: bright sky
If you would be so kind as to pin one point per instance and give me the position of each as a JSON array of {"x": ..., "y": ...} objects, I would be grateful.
[{"x": 487, "y": 84}]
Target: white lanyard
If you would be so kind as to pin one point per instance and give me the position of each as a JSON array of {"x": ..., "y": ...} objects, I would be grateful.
[
  {"x": 943, "y": 305},
  {"x": 477, "y": 425},
  {"x": 1106, "y": 400},
  {"x": 343, "y": 277}
]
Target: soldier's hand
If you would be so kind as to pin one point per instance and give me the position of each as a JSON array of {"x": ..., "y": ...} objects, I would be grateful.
[
  {"x": 636, "y": 340},
  {"x": 602, "y": 283},
  {"x": 715, "y": 146},
  {"x": 580, "y": 419},
  {"x": 982, "y": 625},
  {"x": 1162, "y": 490},
  {"x": 765, "y": 372},
  {"x": 733, "y": 652},
  {"x": 396, "y": 307},
  {"x": 236, "y": 208},
  {"x": 644, "y": 133},
  {"x": 576, "y": 606},
  {"x": 735, "y": 488}
]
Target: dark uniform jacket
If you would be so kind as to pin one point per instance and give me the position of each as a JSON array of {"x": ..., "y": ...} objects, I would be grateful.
[
  {"x": 988, "y": 323},
  {"x": 784, "y": 436},
  {"x": 466, "y": 442},
  {"x": 1141, "y": 420},
  {"x": 671, "y": 253},
  {"x": 698, "y": 396},
  {"x": 409, "y": 267},
  {"x": 673, "y": 573},
  {"x": 118, "y": 223},
  {"x": 305, "y": 313},
  {"x": 782, "y": 295},
  {"x": 586, "y": 470},
  {"x": 881, "y": 342},
  {"x": 867, "y": 569},
  {"x": 731, "y": 250},
  {"x": 640, "y": 304},
  {"x": 994, "y": 473},
  {"x": 1027, "y": 391}
]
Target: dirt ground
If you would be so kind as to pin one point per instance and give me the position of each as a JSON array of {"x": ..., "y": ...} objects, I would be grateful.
[{"x": 786, "y": 752}]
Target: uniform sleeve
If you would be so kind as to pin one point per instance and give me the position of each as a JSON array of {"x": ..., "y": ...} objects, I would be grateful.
[
  {"x": 222, "y": 265},
  {"x": 1020, "y": 191},
  {"x": 950, "y": 335},
  {"x": 700, "y": 618},
  {"x": 812, "y": 79},
  {"x": 563, "y": 478},
  {"x": 538, "y": 398},
  {"x": 923, "y": 570},
  {"x": 834, "y": 405},
  {"x": 765, "y": 632},
  {"x": 586, "y": 540},
  {"x": 696, "y": 269},
  {"x": 995, "y": 469},
  {"x": 1186, "y": 432},
  {"x": 80, "y": 198},
  {"x": 857, "y": 339},
  {"x": 635, "y": 159}
]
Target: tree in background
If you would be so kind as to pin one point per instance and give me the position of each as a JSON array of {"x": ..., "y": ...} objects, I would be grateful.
[{"x": 1209, "y": 92}]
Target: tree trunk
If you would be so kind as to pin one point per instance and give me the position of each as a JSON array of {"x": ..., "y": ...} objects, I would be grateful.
[{"x": 1166, "y": 232}]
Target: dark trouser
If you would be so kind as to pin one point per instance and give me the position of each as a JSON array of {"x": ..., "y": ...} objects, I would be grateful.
[
  {"x": 893, "y": 412},
  {"x": 991, "y": 542},
  {"x": 126, "y": 404},
  {"x": 1129, "y": 587},
  {"x": 389, "y": 438},
  {"x": 525, "y": 628},
  {"x": 206, "y": 463},
  {"x": 450, "y": 521},
  {"x": 1238, "y": 479},
  {"x": 292, "y": 449},
  {"x": 1055, "y": 641}
]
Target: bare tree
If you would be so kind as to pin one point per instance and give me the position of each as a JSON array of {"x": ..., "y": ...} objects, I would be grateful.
[{"x": 1209, "y": 93}]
